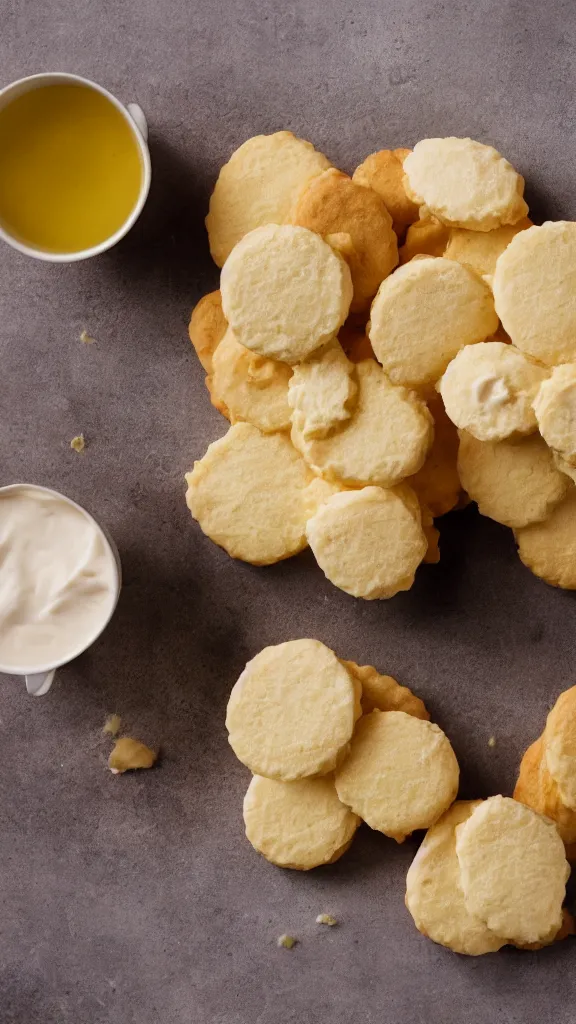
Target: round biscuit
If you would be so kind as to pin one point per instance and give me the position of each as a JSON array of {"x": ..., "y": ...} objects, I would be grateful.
[
  {"x": 401, "y": 773},
  {"x": 384, "y": 172},
  {"x": 298, "y": 825},
  {"x": 370, "y": 542},
  {"x": 479, "y": 250},
  {"x": 514, "y": 482},
  {"x": 426, "y": 237},
  {"x": 424, "y": 314},
  {"x": 488, "y": 390},
  {"x": 555, "y": 409},
  {"x": 207, "y": 327},
  {"x": 385, "y": 440},
  {"x": 537, "y": 789},
  {"x": 548, "y": 548},
  {"x": 437, "y": 484},
  {"x": 322, "y": 392},
  {"x": 513, "y": 870},
  {"x": 534, "y": 289},
  {"x": 291, "y": 713},
  {"x": 259, "y": 185},
  {"x": 560, "y": 739},
  {"x": 331, "y": 204},
  {"x": 285, "y": 292},
  {"x": 249, "y": 494},
  {"x": 434, "y": 896},
  {"x": 253, "y": 389},
  {"x": 465, "y": 183},
  {"x": 383, "y": 693}
]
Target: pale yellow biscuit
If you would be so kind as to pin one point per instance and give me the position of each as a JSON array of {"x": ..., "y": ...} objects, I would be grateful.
[
  {"x": 322, "y": 392},
  {"x": 298, "y": 825},
  {"x": 555, "y": 408},
  {"x": 332, "y": 204},
  {"x": 291, "y": 713},
  {"x": 465, "y": 184},
  {"x": 479, "y": 250},
  {"x": 548, "y": 549},
  {"x": 249, "y": 495},
  {"x": 251, "y": 388},
  {"x": 259, "y": 185},
  {"x": 560, "y": 739},
  {"x": 564, "y": 467},
  {"x": 401, "y": 773},
  {"x": 384, "y": 172},
  {"x": 512, "y": 869},
  {"x": 383, "y": 693},
  {"x": 424, "y": 314},
  {"x": 207, "y": 327},
  {"x": 370, "y": 542},
  {"x": 534, "y": 289},
  {"x": 385, "y": 440},
  {"x": 514, "y": 482},
  {"x": 285, "y": 292},
  {"x": 488, "y": 390},
  {"x": 426, "y": 237},
  {"x": 434, "y": 896},
  {"x": 437, "y": 484}
]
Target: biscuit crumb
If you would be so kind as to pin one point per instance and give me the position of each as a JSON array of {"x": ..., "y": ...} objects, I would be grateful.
[
  {"x": 112, "y": 725},
  {"x": 326, "y": 919},
  {"x": 492, "y": 741},
  {"x": 86, "y": 339},
  {"x": 129, "y": 754},
  {"x": 78, "y": 443},
  {"x": 286, "y": 941}
]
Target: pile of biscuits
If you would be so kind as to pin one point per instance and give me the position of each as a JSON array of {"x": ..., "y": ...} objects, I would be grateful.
[
  {"x": 331, "y": 744},
  {"x": 380, "y": 344}
]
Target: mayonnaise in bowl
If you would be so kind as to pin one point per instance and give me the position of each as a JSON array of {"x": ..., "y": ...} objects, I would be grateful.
[{"x": 59, "y": 580}]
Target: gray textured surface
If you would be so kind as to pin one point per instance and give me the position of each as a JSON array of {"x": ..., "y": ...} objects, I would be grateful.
[{"x": 136, "y": 899}]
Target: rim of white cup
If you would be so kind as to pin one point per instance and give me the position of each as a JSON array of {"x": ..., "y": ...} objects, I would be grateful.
[
  {"x": 84, "y": 254},
  {"x": 112, "y": 550}
]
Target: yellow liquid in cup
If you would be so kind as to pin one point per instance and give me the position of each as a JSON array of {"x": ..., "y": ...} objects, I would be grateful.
[{"x": 70, "y": 168}]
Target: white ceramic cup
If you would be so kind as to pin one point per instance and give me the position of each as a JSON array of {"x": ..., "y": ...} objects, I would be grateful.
[
  {"x": 134, "y": 116},
  {"x": 39, "y": 680}
]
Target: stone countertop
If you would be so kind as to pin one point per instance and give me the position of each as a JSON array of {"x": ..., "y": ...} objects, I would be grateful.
[{"x": 135, "y": 899}]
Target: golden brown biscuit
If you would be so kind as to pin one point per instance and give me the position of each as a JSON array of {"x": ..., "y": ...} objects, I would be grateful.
[
  {"x": 513, "y": 870},
  {"x": 383, "y": 693},
  {"x": 249, "y": 495},
  {"x": 432, "y": 534},
  {"x": 401, "y": 773},
  {"x": 285, "y": 292},
  {"x": 369, "y": 542},
  {"x": 259, "y": 185},
  {"x": 555, "y": 408},
  {"x": 479, "y": 250},
  {"x": 385, "y": 440},
  {"x": 384, "y": 172},
  {"x": 465, "y": 183},
  {"x": 207, "y": 327},
  {"x": 292, "y": 711},
  {"x": 437, "y": 483},
  {"x": 426, "y": 237},
  {"x": 534, "y": 289},
  {"x": 424, "y": 314},
  {"x": 298, "y": 825},
  {"x": 548, "y": 549},
  {"x": 514, "y": 482},
  {"x": 537, "y": 789},
  {"x": 560, "y": 737},
  {"x": 249, "y": 388},
  {"x": 331, "y": 204}
]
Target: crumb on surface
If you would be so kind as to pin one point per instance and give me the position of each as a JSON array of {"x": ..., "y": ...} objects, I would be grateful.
[
  {"x": 112, "y": 725},
  {"x": 78, "y": 443},
  {"x": 286, "y": 941},
  {"x": 326, "y": 919},
  {"x": 86, "y": 339},
  {"x": 492, "y": 741},
  {"x": 129, "y": 754}
]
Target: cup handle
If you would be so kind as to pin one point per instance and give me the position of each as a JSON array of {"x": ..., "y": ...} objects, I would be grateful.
[
  {"x": 38, "y": 685},
  {"x": 139, "y": 118}
]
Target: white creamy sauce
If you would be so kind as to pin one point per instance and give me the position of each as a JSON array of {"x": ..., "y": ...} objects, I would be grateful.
[
  {"x": 58, "y": 579},
  {"x": 490, "y": 391}
]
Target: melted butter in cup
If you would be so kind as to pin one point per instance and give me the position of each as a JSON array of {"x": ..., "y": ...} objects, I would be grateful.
[{"x": 59, "y": 580}]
